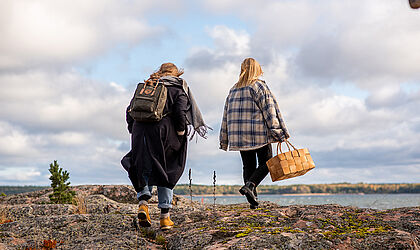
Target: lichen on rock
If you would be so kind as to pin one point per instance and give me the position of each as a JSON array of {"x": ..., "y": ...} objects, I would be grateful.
[{"x": 110, "y": 223}]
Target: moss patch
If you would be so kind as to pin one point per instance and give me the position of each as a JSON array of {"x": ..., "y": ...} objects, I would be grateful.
[{"x": 349, "y": 225}]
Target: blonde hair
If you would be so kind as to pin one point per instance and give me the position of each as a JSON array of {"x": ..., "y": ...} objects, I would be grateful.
[
  {"x": 166, "y": 69},
  {"x": 250, "y": 71}
]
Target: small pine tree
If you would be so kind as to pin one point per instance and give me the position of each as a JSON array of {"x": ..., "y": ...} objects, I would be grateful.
[{"x": 61, "y": 193}]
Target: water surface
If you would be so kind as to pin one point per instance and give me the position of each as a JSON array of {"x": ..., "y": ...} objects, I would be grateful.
[{"x": 376, "y": 201}]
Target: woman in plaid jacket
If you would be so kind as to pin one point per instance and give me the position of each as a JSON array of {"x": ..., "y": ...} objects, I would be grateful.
[{"x": 251, "y": 122}]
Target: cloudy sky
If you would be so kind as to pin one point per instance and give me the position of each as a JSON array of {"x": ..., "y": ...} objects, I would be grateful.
[{"x": 346, "y": 75}]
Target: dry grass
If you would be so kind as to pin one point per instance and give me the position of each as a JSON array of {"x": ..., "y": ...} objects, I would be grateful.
[
  {"x": 80, "y": 203},
  {"x": 4, "y": 215}
]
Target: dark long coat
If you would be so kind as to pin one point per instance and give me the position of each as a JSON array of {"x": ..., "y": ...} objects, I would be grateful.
[{"x": 156, "y": 149}]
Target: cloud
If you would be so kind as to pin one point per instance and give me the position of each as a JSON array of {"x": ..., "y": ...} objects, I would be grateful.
[
  {"x": 19, "y": 174},
  {"x": 390, "y": 96},
  {"x": 62, "y": 116},
  {"x": 343, "y": 131},
  {"x": 333, "y": 40},
  {"x": 49, "y": 110},
  {"x": 45, "y": 101},
  {"x": 309, "y": 52},
  {"x": 14, "y": 141},
  {"x": 50, "y": 33},
  {"x": 229, "y": 46}
]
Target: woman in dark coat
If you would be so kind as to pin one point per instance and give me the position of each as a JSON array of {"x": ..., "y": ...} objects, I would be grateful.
[{"x": 159, "y": 149}]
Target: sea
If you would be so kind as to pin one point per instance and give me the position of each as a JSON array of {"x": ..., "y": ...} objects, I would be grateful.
[{"x": 375, "y": 201}]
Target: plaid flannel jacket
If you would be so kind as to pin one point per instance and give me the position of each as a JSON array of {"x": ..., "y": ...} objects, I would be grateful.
[{"x": 251, "y": 119}]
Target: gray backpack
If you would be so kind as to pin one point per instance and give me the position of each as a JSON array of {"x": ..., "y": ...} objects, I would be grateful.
[{"x": 148, "y": 102}]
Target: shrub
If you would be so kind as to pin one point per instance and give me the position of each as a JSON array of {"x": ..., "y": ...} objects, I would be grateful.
[
  {"x": 61, "y": 193},
  {"x": 161, "y": 240},
  {"x": 80, "y": 202}
]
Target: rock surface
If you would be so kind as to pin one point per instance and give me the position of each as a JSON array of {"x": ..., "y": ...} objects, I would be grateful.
[{"x": 108, "y": 221}]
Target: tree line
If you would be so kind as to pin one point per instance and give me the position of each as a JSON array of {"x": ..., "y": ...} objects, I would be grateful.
[
  {"x": 8, "y": 190},
  {"x": 336, "y": 188}
]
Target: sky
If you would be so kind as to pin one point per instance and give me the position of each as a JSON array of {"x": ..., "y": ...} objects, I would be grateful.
[{"x": 346, "y": 75}]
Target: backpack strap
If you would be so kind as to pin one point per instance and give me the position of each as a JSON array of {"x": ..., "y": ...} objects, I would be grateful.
[
  {"x": 154, "y": 90},
  {"x": 144, "y": 88}
]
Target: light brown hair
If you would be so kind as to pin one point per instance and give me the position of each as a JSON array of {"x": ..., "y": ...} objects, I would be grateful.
[
  {"x": 250, "y": 71},
  {"x": 166, "y": 69}
]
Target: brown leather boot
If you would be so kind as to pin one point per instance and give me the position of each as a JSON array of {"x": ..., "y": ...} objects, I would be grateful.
[
  {"x": 166, "y": 223},
  {"x": 143, "y": 215}
]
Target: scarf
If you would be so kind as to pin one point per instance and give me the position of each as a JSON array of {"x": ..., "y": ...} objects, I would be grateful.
[{"x": 194, "y": 116}]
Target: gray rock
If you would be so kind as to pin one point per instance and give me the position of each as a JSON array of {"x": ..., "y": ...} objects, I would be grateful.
[{"x": 109, "y": 221}]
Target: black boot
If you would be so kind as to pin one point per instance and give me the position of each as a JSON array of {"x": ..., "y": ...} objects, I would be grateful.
[
  {"x": 252, "y": 206},
  {"x": 256, "y": 198},
  {"x": 248, "y": 191}
]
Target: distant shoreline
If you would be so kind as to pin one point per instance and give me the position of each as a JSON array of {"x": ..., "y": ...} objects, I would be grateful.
[
  {"x": 300, "y": 194},
  {"x": 285, "y": 190},
  {"x": 302, "y": 189},
  {"x": 297, "y": 194}
]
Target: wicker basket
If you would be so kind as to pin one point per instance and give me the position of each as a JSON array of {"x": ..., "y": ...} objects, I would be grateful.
[{"x": 290, "y": 164}]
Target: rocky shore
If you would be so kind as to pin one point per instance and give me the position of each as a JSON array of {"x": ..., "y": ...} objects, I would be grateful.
[{"x": 105, "y": 218}]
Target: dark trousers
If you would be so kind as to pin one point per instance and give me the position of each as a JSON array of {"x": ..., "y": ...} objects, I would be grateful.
[{"x": 251, "y": 172}]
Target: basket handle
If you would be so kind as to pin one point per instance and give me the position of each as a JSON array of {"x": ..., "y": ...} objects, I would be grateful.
[
  {"x": 279, "y": 147},
  {"x": 287, "y": 144}
]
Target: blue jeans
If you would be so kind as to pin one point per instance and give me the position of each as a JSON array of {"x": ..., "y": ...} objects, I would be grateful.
[{"x": 164, "y": 195}]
